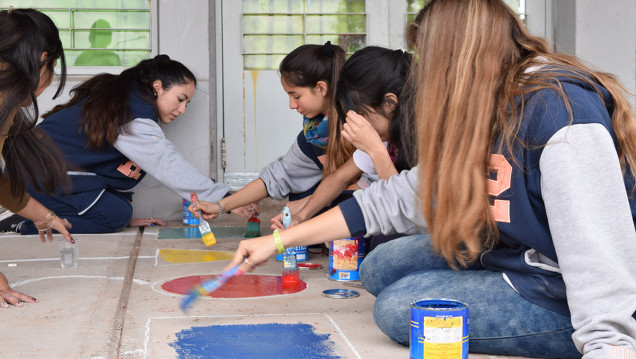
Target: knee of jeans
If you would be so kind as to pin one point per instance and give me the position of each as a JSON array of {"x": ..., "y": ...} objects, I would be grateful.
[
  {"x": 388, "y": 316},
  {"x": 367, "y": 277}
]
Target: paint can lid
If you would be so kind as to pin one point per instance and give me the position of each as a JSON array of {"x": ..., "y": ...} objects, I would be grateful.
[
  {"x": 340, "y": 293},
  {"x": 309, "y": 265}
]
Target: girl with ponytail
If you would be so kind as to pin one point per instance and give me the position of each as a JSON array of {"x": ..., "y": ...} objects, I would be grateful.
[
  {"x": 309, "y": 76},
  {"x": 110, "y": 136}
]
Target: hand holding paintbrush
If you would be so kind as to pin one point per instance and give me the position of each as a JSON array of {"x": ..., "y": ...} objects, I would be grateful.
[{"x": 204, "y": 226}]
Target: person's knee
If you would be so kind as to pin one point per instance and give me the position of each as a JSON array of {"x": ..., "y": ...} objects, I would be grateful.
[
  {"x": 119, "y": 219},
  {"x": 388, "y": 313},
  {"x": 368, "y": 276}
]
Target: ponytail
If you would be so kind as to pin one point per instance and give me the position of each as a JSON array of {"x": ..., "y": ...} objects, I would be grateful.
[
  {"x": 105, "y": 109},
  {"x": 304, "y": 67}
]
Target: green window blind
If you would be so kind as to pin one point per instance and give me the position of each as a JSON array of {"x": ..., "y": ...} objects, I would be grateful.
[
  {"x": 98, "y": 33},
  {"x": 273, "y": 28}
]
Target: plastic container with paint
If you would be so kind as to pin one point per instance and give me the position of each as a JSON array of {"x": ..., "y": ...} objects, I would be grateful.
[
  {"x": 188, "y": 217},
  {"x": 302, "y": 254},
  {"x": 439, "y": 329}
]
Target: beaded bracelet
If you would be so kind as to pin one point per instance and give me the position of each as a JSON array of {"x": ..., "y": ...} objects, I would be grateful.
[
  {"x": 47, "y": 223},
  {"x": 279, "y": 243},
  {"x": 218, "y": 217}
]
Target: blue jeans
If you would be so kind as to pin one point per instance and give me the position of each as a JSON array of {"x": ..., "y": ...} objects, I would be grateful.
[
  {"x": 501, "y": 321},
  {"x": 111, "y": 213}
]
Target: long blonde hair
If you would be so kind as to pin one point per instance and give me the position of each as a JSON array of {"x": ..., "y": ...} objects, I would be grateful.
[{"x": 473, "y": 55}]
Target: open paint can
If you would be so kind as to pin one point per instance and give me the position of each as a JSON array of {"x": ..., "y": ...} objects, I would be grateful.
[
  {"x": 345, "y": 257},
  {"x": 439, "y": 329}
]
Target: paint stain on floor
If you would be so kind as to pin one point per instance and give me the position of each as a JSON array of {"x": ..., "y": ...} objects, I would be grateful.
[
  {"x": 245, "y": 286},
  {"x": 280, "y": 341},
  {"x": 193, "y": 256}
]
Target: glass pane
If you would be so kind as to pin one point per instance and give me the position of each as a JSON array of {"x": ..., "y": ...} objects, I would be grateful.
[
  {"x": 335, "y": 6},
  {"x": 100, "y": 58},
  {"x": 48, "y": 4},
  {"x": 113, "y": 19},
  {"x": 61, "y": 18},
  {"x": 414, "y": 6},
  {"x": 273, "y": 28},
  {"x": 350, "y": 43},
  {"x": 273, "y": 6},
  {"x": 113, "y": 39},
  {"x": 262, "y": 62},
  {"x": 267, "y": 44},
  {"x": 67, "y": 41},
  {"x": 273, "y": 24},
  {"x": 317, "y": 24}
]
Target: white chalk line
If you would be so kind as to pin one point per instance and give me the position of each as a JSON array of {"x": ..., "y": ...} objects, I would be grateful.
[
  {"x": 342, "y": 334},
  {"x": 81, "y": 258},
  {"x": 32, "y": 280}
]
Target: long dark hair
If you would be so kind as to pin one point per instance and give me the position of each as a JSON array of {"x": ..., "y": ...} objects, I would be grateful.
[
  {"x": 304, "y": 67},
  {"x": 105, "y": 110},
  {"x": 368, "y": 75},
  {"x": 30, "y": 156}
]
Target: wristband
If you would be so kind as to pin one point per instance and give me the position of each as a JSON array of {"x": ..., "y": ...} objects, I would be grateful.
[
  {"x": 218, "y": 217},
  {"x": 279, "y": 244}
]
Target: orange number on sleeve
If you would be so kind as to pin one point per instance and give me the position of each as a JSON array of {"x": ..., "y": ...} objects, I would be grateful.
[
  {"x": 501, "y": 208},
  {"x": 130, "y": 169}
]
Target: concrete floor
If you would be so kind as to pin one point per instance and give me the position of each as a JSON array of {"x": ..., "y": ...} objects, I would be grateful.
[{"x": 113, "y": 305}]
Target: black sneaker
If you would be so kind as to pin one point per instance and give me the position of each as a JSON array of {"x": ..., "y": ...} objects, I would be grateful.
[{"x": 11, "y": 223}]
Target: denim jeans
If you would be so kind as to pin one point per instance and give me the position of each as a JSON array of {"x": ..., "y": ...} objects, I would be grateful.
[{"x": 501, "y": 321}]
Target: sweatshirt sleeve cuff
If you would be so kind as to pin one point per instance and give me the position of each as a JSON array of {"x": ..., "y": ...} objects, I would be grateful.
[{"x": 353, "y": 216}]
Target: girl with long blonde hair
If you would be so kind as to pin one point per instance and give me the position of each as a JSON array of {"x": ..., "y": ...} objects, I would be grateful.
[{"x": 523, "y": 195}]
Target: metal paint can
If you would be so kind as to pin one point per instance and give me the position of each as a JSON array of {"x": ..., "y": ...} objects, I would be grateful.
[
  {"x": 302, "y": 254},
  {"x": 345, "y": 257},
  {"x": 439, "y": 329},
  {"x": 188, "y": 218}
]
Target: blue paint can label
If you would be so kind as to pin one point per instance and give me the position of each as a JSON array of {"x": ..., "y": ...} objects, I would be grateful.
[
  {"x": 345, "y": 257},
  {"x": 188, "y": 218},
  {"x": 439, "y": 329},
  {"x": 302, "y": 254}
]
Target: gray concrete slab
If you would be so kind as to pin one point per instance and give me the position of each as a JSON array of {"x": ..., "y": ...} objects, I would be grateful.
[{"x": 113, "y": 306}]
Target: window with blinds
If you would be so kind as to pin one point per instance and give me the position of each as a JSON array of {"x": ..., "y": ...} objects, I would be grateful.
[
  {"x": 273, "y": 28},
  {"x": 414, "y": 6},
  {"x": 98, "y": 33}
]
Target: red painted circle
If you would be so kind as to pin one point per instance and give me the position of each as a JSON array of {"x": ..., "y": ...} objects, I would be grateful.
[{"x": 244, "y": 286}]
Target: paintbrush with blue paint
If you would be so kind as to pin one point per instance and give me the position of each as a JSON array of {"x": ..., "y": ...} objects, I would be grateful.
[{"x": 208, "y": 286}]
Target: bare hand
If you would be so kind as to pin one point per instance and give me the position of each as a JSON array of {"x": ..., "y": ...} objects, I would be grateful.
[
  {"x": 253, "y": 253},
  {"x": 9, "y": 296},
  {"x": 209, "y": 210},
  {"x": 59, "y": 224},
  {"x": 361, "y": 134},
  {"x": 146, "y": 222},
  {"x": 248, "y": 211}
]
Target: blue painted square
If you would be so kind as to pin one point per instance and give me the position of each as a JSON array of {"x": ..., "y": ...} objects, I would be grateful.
[{"x": 280, "y": 341}]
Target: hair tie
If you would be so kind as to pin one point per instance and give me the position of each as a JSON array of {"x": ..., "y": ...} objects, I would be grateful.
[
  {"x": 326, "y": 48},
  {"x": 162, "y": 57}
]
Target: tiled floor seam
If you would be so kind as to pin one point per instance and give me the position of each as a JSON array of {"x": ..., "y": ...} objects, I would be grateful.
[{"x": 120, "y": 314}]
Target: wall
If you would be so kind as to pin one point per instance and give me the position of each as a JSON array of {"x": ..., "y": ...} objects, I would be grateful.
[
  {"x": 602, "y": 34},
  {"x": 183, "y": 34}
]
